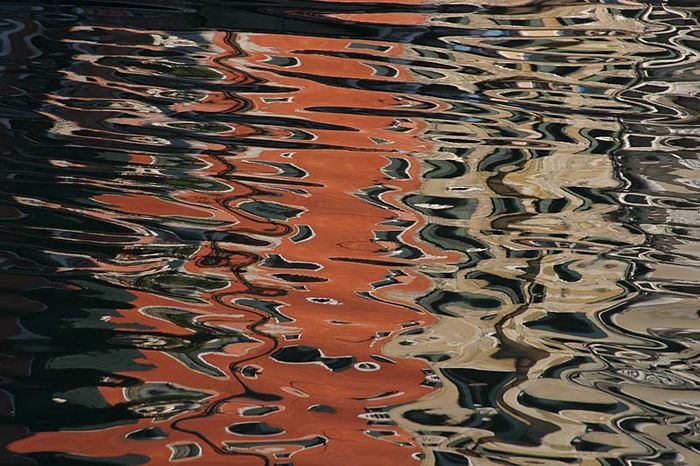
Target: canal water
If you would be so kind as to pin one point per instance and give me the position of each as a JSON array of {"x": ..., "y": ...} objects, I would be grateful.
[{"x": 312, "y": 233}]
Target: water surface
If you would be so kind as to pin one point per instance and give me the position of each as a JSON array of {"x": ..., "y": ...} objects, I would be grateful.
[{"x": 334, "y": 233}]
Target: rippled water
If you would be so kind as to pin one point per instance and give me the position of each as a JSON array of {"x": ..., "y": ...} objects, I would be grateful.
[{"x": 335, "y": 233}]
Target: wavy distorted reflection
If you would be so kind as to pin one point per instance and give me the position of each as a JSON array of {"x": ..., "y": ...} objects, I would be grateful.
[{"x": 331, "y": 232}]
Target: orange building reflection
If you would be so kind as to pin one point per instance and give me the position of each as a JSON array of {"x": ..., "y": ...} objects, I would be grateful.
[{"x": 306, "y": 270}]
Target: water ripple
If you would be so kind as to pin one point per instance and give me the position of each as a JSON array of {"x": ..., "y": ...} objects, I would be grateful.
[{"x": 333, "y": 232}]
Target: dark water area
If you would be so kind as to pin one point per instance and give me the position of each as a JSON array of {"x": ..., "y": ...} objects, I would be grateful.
[{"x": 338, "y": 233}]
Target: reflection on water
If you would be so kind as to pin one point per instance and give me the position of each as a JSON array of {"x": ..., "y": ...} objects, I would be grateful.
[{"x": 328, "y": 232}]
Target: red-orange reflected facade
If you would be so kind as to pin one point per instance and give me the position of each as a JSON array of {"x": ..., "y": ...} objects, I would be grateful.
[{"x": 320, "y": 273}]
